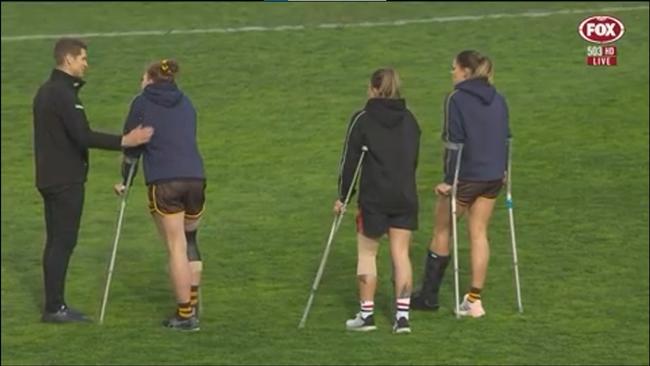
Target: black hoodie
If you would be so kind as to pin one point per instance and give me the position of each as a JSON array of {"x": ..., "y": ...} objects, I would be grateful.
[{"x": 392, "y": 135}]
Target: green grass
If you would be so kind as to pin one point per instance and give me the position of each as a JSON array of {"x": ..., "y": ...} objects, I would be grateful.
[{"x": 273, "y": 108}]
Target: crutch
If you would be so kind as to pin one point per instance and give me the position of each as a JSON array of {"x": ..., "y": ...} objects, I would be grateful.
[
  {"x": 454, "y": 224},
  {"x": 335, "y": 226},
  {"x": 117, "y": 238},
  {"x": 509, "y": 206}
]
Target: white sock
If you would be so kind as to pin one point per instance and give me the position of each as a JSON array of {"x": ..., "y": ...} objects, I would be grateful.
[
  {"x": 403, "y": 306},
  {"x": 367, "y": 308}
]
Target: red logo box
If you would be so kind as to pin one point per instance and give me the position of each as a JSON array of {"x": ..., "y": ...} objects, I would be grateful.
[
  {"x": 601, "y": 60},
  {"x": 601, "y": 29}
]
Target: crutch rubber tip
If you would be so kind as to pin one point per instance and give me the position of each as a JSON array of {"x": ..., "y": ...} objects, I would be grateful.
[{"x": 364, "y": 148}]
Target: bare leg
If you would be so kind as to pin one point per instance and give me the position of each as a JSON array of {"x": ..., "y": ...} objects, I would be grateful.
[
  {"x": 478, "y": 221},
  {"x": 442, "y": 225},
  {"x": 173, "y": 231},
  {"x": 400, "y": 240},
  {"x": 367, "y": 281}
]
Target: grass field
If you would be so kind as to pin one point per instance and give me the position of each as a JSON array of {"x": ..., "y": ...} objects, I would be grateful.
[{"x": 273, "y": 108}]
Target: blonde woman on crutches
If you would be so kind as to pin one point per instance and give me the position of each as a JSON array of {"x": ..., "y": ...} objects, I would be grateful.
[
  {"x": 388, "y": 202},
  {"x": 475, "y": 133}
]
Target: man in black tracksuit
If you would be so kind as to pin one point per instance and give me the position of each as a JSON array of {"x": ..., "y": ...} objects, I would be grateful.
[{"x": 62, "y": 137}]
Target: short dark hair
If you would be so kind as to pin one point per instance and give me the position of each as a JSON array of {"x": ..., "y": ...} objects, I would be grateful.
[{"x": 68, "y": 46}]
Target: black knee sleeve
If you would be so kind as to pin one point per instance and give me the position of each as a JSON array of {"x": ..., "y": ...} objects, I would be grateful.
[{"x": 193, "y": 253}]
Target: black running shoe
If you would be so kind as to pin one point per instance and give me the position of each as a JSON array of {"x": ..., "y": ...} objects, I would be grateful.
[
  {"x": 190, "y": 324},
  {"x": 401, "y": 325}
]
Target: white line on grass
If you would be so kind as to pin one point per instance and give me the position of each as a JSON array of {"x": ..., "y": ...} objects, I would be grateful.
[{"x": 392, "y": 23}]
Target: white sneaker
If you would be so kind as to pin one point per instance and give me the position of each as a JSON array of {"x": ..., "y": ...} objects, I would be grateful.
[
  {"x": 360, "y": 324},
  {"x": 473, "y": 309}
]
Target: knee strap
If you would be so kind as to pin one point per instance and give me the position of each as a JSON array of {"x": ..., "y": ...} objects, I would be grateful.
[
  {"x": 193, "y": 253},
  {"x": 366, "y": 264},
  {"x": 367, "y": 257}
]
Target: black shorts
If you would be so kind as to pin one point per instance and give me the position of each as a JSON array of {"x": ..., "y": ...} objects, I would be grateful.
[
  {"x": 375, "y": 224},
  {"x": 175, "y": 196},
  {"x": 468, "y": 192}
]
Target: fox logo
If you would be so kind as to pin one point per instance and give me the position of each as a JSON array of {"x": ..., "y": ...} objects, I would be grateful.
[{"x": 601, "y": 29}]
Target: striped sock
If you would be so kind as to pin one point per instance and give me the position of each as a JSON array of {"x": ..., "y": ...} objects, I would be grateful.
[
  {"x": 402, "y": 306},
  {"x": 367, "y": 308},
  {"x": 474, "y": 294},
  {"x": 194, "y": 295},
  {"x": 184, "y": 310}
]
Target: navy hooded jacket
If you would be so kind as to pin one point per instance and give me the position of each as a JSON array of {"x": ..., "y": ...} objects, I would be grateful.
[
  {"x": 172, "y": 152},
  {"x": 476, "y": 115}
]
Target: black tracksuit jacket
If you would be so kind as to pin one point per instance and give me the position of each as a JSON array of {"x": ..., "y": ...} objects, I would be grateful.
[
  {"x": 62, "y": 134},
  {"x": 387, "y": 179}
]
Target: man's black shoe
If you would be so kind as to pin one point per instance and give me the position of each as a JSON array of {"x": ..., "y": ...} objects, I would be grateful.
[{"x": 64, "y": 315}]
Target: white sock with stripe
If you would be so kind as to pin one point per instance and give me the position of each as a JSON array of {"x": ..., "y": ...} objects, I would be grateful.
[
  {"x": 403, "y": 306},
  {"x": 367, "y": 308}
]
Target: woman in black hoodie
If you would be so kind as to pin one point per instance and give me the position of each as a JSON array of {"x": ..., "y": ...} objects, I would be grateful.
[
  {"x": 388, "y": 202},
  {"x": 476, "y": 115}
]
